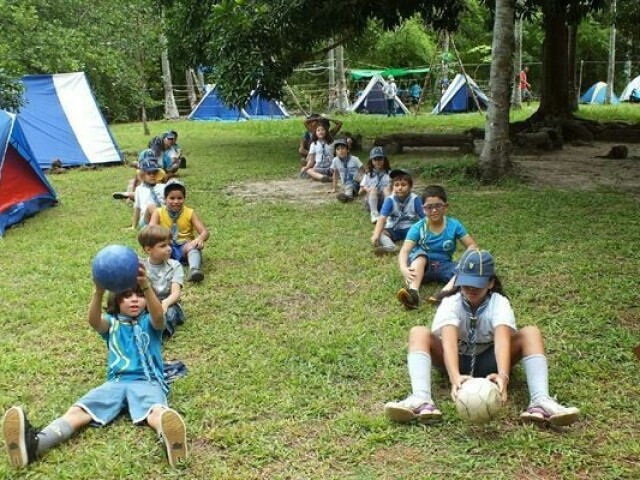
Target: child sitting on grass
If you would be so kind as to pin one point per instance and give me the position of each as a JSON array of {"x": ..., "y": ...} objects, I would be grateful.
[
  {"x": 349, "y": 168},
  {"x": 183, "y": 223},
  {"x": 376, "y": 184},
  {"x": 132, "y": 328},
  {"x": 318, "y": 166},
  {"x": 474, "y": 334},
  {"x": 427, "y": 252},
  {"x": 166, "y": 274},
  {"x": 399, "y": 212},
  {"x": 149, "y": 195}
]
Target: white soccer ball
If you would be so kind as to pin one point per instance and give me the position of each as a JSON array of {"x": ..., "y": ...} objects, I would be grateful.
[{"x": 478, "y": 401}]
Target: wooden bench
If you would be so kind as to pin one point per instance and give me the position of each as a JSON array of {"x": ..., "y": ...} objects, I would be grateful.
[{"x": 395, "y": 142}]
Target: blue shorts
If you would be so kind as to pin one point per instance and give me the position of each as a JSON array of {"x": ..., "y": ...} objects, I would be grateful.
[
  {"x": 397, "y": 234},
  {"x": 485, "y": 363},
  {"x": 104, "y": 403},
  {"x": 176, "y": 251},
  {"x": 436, "y": 270}
]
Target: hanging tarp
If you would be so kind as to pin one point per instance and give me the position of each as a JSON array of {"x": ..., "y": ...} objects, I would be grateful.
[{"x": 396, "y": 72}]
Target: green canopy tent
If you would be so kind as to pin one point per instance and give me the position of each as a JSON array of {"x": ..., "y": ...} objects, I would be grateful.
[{"x": 359, "y": 74}]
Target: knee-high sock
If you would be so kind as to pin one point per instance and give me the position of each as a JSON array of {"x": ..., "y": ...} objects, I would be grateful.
[
  {"x": 194, "y": 258},
  {"x": 419, "y": 364},
  {"x": 53, "y": 434},
  {"x": 537, "y": 372},
  {"x": 373, "y": 201}
]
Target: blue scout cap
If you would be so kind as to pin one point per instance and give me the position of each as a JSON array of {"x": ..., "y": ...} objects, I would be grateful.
[
  {"x": 377, "y": 152},
  {"x": 475, "y": 269}
]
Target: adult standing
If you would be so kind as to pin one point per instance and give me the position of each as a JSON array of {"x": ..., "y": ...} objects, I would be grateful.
[
  {"x": 525, "y": 86},
  {"x": 390, "y": 90}
]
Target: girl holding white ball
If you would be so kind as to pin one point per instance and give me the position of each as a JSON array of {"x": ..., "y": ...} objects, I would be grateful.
[{"x": 474, "y": 335}]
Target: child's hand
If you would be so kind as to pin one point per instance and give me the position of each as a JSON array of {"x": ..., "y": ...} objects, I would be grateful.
[
  {"x": 409, "y": 273},
  {"x": 502, "y": 381},
  {"x": 197, "y": 243},
  {"x": 375, "y": 239},
  {"x": 165, "y": 306},
  {"x": 142, "y": 279},
  {"x": 130, "y": 229},
  {"x": 455, "y": 386}
]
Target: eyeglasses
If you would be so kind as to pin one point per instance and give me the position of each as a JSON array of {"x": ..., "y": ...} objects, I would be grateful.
[{"x": 434, "y": 206}]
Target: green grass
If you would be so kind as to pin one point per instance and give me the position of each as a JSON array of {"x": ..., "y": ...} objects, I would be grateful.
[{"x": 294, "y": 341}]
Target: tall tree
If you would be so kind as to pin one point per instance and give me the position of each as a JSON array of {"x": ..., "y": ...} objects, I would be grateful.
[
  {"x": 558, "y": 15},
  {"x": 260, "y": 42},
  {"x": 494, "y": 159}
]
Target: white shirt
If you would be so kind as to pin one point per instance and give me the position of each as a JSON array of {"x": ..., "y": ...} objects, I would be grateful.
[
  {"x": 323, "y": 153},
  {"x": 451, "y": 312},
  {"x": 143, "y": 196}
]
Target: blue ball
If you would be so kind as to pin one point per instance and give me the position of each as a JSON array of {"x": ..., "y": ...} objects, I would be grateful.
[{"x": 115, "y": 268}]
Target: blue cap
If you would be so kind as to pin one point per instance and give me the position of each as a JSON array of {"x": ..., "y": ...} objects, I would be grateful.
[
  {"x": 147, "y": 161},
  {"x": 340, "y": 141},
  {"x": 377, "y": 152},
  {"x": 170, "y": 135},
  {"x": 398, "y": 171},
  {"x": 475, "y": 269}
]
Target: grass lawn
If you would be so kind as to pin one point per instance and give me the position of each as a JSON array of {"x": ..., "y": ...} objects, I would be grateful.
[{"x": 295, "y": 341}]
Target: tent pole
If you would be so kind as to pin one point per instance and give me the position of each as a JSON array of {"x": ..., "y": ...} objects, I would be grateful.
[
  {"x": 290, "y": 90},
  {"x": 466, "y": 77},
  {"x": 427, "y": 77}
]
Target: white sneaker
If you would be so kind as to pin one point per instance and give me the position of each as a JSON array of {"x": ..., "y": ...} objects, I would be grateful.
[
  {"x": 374, "y": 217},
  {"x": 412, "y": 408},
  {"x": 547, "y": 410}
]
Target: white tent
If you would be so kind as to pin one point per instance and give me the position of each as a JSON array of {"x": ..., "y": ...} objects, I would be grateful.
[
  {"x": 372, "y": 100},
  {"x": 61, "y": 120},
  {"x": 628, "y": 90}
]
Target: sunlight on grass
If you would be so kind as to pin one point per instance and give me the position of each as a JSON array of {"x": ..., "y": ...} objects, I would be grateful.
[{"x": 294, "y": 341}]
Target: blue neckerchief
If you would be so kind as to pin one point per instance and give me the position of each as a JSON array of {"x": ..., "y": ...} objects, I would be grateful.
[
  {"x": 142, "y": 342},
  {"x": 377, "y": 176},
  {"x": 174, "y": 222},
  {"x": 154, "y": 196},
  {"x": 347, "y": 178},
  {"x": 472, "y": 320}
]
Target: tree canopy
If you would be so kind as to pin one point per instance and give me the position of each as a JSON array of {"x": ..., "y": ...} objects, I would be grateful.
[{"x": 260, "y": 42}]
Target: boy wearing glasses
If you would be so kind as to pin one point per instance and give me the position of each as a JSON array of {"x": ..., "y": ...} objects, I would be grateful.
[{"x": 427, "y": 251}]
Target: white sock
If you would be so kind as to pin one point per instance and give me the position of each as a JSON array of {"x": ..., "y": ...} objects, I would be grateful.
[
  {"x": 419, "y": 364},
  {"x": 537, "y": 372}
]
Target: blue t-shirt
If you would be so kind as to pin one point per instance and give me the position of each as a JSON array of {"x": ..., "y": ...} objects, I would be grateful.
[
  {"x": 438, "y": 246},
  {"x": 401, "y": 213},
  {"x": 415, "y": 90},
  {"x": 125, "y": 361}
]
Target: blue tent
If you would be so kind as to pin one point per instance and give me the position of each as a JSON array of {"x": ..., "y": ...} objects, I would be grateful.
[
  {"x": 61, "y": 120},
  {"x": 371, "y": 99},
  {"x": 458, "y": 97},
  {"x": 211, "y": 107},
  {"x": 597, "y": 94},
  {"x": 259, "y": 108},
  {"x": 24, "y": 190}
]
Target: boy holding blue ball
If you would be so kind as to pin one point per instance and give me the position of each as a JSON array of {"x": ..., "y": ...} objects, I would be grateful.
[{"x": 132, "y": 328}]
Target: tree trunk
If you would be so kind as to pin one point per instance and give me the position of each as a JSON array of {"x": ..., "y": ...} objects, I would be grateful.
[
  {"x": 191, "y": 90},
  {"x": 343, "y": 100},
  {"x": 555, "y": 67},
  {"x": 170, "y": 108},
  {"x": 331, "y": 60},
  {"x": 611, "y": 70},
  {"x": 574, "y": 92},
  {"x": 516, "y": 96},
  {"x": 494, "y": 160}
]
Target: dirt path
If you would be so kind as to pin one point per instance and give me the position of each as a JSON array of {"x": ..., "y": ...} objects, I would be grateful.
[{"x": 576, "y": 167}]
